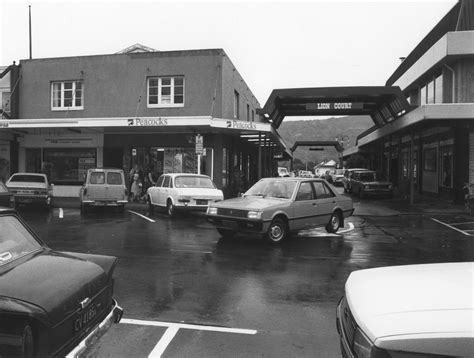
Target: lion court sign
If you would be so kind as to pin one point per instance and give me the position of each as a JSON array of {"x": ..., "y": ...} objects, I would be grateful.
[{"x": 334, "y": 106}]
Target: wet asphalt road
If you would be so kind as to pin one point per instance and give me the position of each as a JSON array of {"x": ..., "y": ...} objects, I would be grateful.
[{"x": 272, "y": 301}]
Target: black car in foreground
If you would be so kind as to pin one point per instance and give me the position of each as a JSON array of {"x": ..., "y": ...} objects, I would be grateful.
[{"x": 51, "y": 303}]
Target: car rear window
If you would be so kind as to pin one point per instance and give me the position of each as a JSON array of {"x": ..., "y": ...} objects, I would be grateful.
[
  {"x": 193, "y": 182},
  {"x": 114, "y": 178},
  {"x": 97, "y": 178},
  {"x": 15, "y": 240},
  {"x": 28, "y": 178}
]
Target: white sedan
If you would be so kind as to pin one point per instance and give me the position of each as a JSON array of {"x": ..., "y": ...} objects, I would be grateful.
[{"x": 183, "y": 191}]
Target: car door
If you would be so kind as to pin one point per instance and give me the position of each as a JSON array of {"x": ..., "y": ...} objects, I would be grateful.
[
  {"x": 96, "y": 185},
  {"x": 115, "y": 186},
  {"x": 153, "y": 191},
  {"x": 305, "y": 207},
  {"x": 163, "y": 190},
  {"x": 326, "y": 201}
]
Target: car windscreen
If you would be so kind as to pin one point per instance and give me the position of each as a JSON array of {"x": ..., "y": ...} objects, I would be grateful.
[
  {"x": 193, "y": 182},
  {"x": 26, "y": 178},
  {"x": 273, "y": 188},
  {"x": 114, "y": 178},
  {"x": 15, "y": 240},
  {"x": 369, "y": 176}
]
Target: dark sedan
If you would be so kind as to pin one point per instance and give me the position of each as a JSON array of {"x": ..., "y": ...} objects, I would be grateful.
[
  {"x": 51, "y": 303},
  {"x": 6, "y": 197}
]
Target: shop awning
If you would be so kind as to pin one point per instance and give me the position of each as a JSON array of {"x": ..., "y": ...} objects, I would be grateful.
[{"x": 382, "y": 103}]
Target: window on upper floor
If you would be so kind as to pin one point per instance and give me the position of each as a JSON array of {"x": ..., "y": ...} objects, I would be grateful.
[
  {"x": 439, "y": 89},
  {"x": 253, "y": 115},
  {"x": 430, "y": 92},
  {"x": 67, "y": 95},
  {"x": 165, "y": 92},
  {"x": 423, "y": 96},
  {"x": 248, "y": 112},
  {"x": 236, "y": 105}
]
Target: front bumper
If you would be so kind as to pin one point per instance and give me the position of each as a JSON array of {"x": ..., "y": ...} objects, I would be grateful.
[
  {"x": 240, "y": 224},
  {"x": 114, "y": 316},
  {"x": 344, "y": 342}
]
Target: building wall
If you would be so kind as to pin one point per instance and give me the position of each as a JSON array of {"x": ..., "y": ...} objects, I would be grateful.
[
  {"x": 465, "y": 81},
  {"x": 116, "y": 86}
]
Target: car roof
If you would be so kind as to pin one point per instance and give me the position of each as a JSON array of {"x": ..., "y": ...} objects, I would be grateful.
[
  {"x": 26, "y": 173},
  {"x": 100, "y": 169},
  {"x": 187, "y": 174}
]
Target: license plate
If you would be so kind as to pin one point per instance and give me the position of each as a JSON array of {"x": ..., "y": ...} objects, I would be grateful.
[
  {"x": 84, "y": 318},
  {"x": 201, "y": 202},
  {"x": 229, "y": 224},
  {"x": 25, "y": 200}
]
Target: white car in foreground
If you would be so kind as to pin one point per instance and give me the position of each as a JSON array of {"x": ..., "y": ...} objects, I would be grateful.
[
  {"x": 183, "y": 191},
  {"x": 417, "y": 311}
]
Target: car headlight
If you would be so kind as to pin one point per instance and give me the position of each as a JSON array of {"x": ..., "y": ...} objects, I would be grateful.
[
  {"x": 211, "y": 211},
  {"x": 254, "y": 214},
  {"x": 363, "y": 347}
]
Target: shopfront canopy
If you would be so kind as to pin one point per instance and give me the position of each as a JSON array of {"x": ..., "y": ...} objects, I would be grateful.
[{"x": 383, "y": 104}]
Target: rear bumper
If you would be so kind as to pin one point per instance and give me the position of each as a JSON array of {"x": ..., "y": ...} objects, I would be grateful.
[
  {"x": 32, "y": 199},
  {"x": 104, "y": 202},
  {"x": 114, "y": 316}
]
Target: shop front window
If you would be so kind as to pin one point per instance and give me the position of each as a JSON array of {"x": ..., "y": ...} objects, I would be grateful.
[{"x": 68, "y": 165}]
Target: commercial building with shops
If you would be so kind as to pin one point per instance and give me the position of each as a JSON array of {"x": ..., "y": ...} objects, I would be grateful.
[
  {"x": 430, "y": 149},
  {"x": 164, "y": 111}
]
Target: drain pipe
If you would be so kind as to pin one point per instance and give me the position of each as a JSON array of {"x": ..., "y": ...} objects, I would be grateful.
[{"x": 454, "y": 81}]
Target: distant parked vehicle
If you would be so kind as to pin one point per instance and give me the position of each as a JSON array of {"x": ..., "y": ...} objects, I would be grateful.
[
  {"x": 346, "y": 181},
  {"x": 183, "y": 192},
  {"x": 104, "y": 187},
  {"x": 305, "y": 174},
  {"x": 283, "y": 172},
  {"x": 30, "y": 188},
  {"x": 365, "y": 183},
  {"x": 337, "y": 177}
]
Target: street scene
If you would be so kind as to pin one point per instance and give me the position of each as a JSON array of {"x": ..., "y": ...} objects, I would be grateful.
[{"x": 237, "y": 179}]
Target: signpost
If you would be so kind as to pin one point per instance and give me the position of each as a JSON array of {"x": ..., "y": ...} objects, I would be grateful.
[{"x": 199, "y": 151}]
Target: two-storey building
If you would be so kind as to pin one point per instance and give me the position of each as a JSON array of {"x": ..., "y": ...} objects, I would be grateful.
[{"x": 161, "y": 111}]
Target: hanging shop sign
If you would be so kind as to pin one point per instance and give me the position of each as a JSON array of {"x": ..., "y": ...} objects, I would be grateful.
[
  {"x": 199, "y": 144},
  {"x": 334, "y": 106}
]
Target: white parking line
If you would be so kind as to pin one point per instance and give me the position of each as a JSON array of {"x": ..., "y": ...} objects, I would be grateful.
[
  {"x": 61, "y": 213},
  {"x": 143, "y": 216},
  {"x": 173, "y": 329},
  {"x": 452, "y": 227},
  {"x": 350, "y": 228}
]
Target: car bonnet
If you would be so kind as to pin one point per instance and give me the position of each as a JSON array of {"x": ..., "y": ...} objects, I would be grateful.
[
  {"x": 413, "y": 299},
  {"x": 251, "y": 203}
]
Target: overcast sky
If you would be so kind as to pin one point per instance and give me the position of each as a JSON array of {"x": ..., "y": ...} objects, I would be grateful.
[{"x": 284, "y": 44}]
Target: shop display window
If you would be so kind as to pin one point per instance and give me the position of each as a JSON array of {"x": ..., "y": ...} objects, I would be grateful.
[{"x": 68, "y": 165}]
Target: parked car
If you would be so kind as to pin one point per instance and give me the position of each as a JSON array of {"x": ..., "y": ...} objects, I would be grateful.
[
  {"x": 104, "y": 187},
  {"x": 183, "y": 192},
  {"x": 346, "y": 181},
  {"x": 275, "y": 207},
  {"x": 305, "y": 174},
  {"x": 365, "y": 183},
  {"x": 408, "y": 311},
  {"x": 7, "y": 198},
  {"x": 51, "y": 303},
  {"x": 30, "y": 188},
  {"x": 283, "y": 172},
  {"x": 337, "y": 177}
]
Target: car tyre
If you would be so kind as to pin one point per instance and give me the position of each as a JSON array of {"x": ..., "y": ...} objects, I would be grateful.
[
  {"x": 334, "y": 223},
  {"x": 277, "y": 231},
  {"x": 170, "y": 210},
  {"x": 226, "y": 233}
]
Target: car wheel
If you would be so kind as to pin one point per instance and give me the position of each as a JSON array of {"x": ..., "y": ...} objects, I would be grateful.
[
  {"x": 226, "y": 232},
  {"x": 151, "y": 207},
  {"x": 170, "y": 209},
  {"x": 334, "y": 223},
  {"x": 277, "y": 231}
]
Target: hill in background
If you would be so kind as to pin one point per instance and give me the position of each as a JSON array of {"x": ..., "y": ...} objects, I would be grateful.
[{"x": 323, "y": 130}]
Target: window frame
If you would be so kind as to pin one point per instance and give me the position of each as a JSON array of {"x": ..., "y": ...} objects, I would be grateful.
[
  {"x": 160, "y": 86},
  {"x": 62, "y": 107}
]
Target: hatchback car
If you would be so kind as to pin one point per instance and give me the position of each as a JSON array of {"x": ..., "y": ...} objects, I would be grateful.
[
  {"x": 365, "y": 183},
  {"x": 51, "y": 303},
  {"x": 7, "y": 198},
  {"x": 421, "y": 311},
  {"x": 104, "y": 187},
  {"x": 275, "y": 207},
  {"x": 31, "y": 188},
  {"x": 183, "y": 192}
]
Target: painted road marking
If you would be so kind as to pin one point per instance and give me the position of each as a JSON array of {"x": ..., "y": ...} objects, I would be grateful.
[
  {"x": 61, "y": 213},
  {"x": 143, "y": 216},
  {"x": 173, "y": 328},
  {"x": 452, "y": 227},
  {"x": 321, "y": 232}
]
